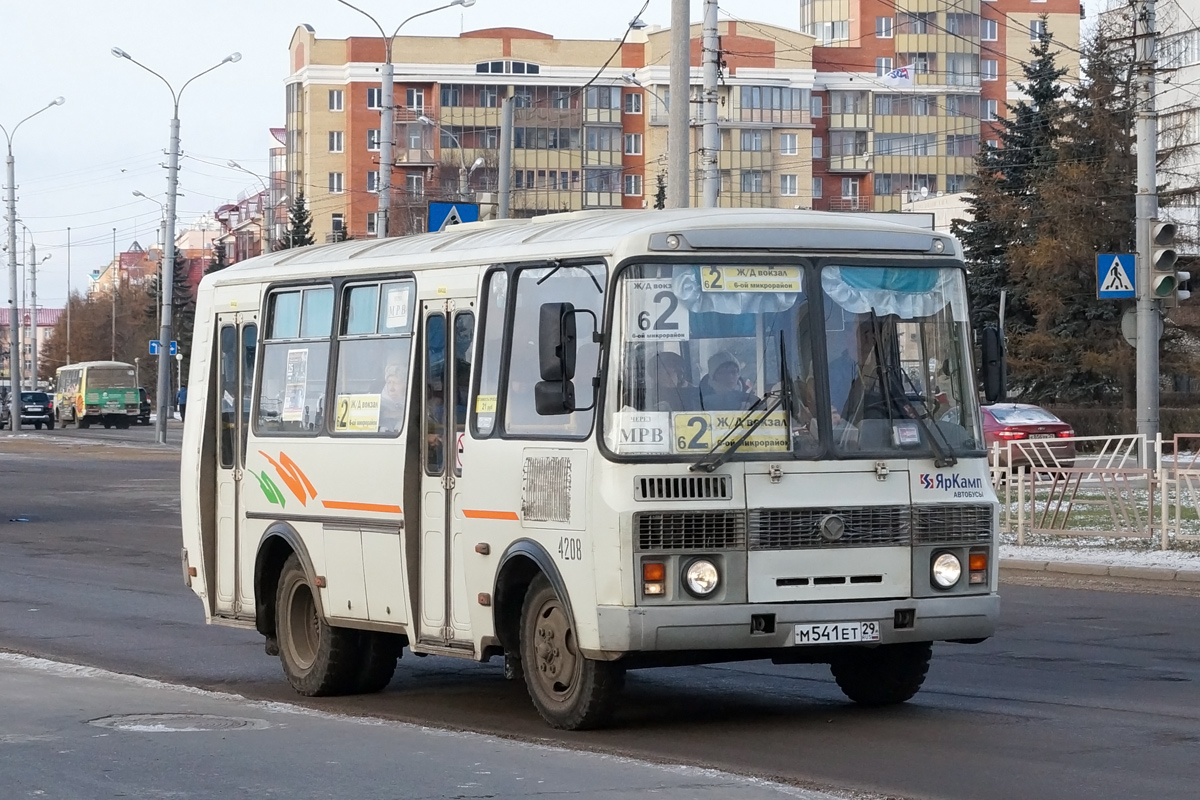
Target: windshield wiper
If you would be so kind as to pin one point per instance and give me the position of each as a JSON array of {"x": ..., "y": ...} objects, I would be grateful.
[
  {"x": 942, "y": 457},
  {"x": 708, "y": 463}
]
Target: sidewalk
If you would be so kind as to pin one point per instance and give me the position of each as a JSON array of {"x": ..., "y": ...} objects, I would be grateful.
[{"x": 1101, "y": 559}]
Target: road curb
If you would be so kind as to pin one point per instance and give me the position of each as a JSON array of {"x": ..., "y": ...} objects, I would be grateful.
[{"x": 1105, "y": 570}]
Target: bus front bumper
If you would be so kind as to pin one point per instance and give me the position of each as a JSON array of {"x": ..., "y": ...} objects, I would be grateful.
[{"x": 729, "y": 627}]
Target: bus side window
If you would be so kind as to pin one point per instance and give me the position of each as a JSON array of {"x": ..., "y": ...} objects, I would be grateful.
[
  {"x": 291, "y": 398},
  {"x": 249, "y": 349},
  {"x": 495, "y": 294},
  {"x": 227, "y": 386}
]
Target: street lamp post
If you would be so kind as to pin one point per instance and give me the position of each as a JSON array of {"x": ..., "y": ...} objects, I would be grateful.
[
  {"x": 270, "y": 209},
  {"x": 464, "y": 175},
  {"x": 34, "y": 263},
  {"x": 168, "y": 266},
  {"x": 14, "y": 333},
  {"x": 387, "y": 115}
]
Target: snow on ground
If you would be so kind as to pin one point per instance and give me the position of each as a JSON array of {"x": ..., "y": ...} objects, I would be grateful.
[{"x": 1102, "y": 552}]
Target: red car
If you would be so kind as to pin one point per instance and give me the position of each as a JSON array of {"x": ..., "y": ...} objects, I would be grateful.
[{"x": 1045, "y": 439}]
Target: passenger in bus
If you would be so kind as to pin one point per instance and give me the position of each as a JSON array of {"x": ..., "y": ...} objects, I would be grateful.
[
  {"x": 391, "y": 400},
  {"x": 723, "y": 388},
  {"x": 674, "y": 393}
]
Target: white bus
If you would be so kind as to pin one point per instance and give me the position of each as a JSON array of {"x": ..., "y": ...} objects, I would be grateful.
[{"x": 592, "y": 442}]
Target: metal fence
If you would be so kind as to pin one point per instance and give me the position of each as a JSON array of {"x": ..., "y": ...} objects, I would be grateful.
[{"x": 1098, "y": 486}]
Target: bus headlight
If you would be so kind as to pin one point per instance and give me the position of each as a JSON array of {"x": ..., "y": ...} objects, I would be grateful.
[
  {"x": 701, "y": 577},
  {"x": 947, "y": 569}
]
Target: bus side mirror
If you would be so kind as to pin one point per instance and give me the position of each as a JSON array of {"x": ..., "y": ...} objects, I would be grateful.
[
  {"x": 555, "y": 393},
  {"x": 556, "y": 341},
  {"x": 992, "y": 370}
]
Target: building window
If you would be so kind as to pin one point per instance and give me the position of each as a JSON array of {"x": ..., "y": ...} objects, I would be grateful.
[
  {"x": 452, "y": 94},
  {"x": 489, "y": 97},
  {"x": 522, "y": 97},
  {"x": 373, "y": 180},
  {"x": 788, "y": 144},
  {"x": 335, "y": 183},
  {"x": 1037, "y": 29},
  {"x": 882, "y": 66},
  {"x": 817, "y": 110},
  {"x": 752, "y": 140},
  {"x": 989, "y": 30},
  {"x": 988, "y": 69},
  {"x": 633, "y": 145},
  {"x": 372, "y": 223},
  {"x": 633, "y": 185},
  {"x": 335, "y": 142},
  {"x": 633, "y": 102},
  {"x": 335, "y": 99},
  {"x": 956, "y": 183},
  {"x": 883, "y": 27},
  {"x": 338, "y": 222},
  {"x": 414, "y": 99},
  {"x": 816, "y": 187},
  {"x": 787, "y": 185},
  {"x": 373, "y": 139},
  {"x": 818, "y": 147},
  {"x": 753, "y": 181},
  {"x": 414, "y": 184},
  {"x": 991, "y": 110},
  {"x": 849, "y": 187},
  {"x": 560, "y": 98},
  {"x": 375, "y": 97},
  {"x": 962, "y": 24}
]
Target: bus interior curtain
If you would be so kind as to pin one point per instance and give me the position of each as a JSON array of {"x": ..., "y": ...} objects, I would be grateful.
[{"x": 907, "y": 293}]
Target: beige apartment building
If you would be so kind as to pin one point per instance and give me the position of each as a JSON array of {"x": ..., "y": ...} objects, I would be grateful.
[{"x": 583, "y": 137}]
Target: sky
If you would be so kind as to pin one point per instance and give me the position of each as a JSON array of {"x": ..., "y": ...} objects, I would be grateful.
[{"x": 78, "y": 164}]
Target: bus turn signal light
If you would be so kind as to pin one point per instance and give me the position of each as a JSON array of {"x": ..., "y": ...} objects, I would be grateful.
[
  {"x": 978, "y": 564},
  {"x": 654, "y": 576}
]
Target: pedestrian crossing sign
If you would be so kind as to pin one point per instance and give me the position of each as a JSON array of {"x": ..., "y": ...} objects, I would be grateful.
[{"x": 1116, "y": 276}]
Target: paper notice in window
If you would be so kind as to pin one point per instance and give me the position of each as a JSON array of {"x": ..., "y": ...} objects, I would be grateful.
[
  {"x": 295, "y": 385},
  {"x": 397, "y": 307},
  {"x": 357, "y": 413}
]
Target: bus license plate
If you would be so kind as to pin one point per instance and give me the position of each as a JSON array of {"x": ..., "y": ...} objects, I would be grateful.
[{"x": 837, "y": 632}]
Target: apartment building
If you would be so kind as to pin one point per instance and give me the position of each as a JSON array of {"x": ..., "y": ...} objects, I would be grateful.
[
  {"x": 883, "y": 143},
  {"x": 583, "y": 137}
]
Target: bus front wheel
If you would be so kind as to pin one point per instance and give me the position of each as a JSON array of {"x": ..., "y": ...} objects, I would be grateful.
[
  {"x": 318, "y": 659},
  {"x": 570, "y": 691},
  {"x": 884, "y": 675}
]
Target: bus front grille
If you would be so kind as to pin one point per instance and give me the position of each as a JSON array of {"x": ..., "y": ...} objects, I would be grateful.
[
  {"x": 952, "y": 524},
  {"x": 793, "y": 528},
  {"x": 690, "y": 530},
  {"x": 682, "y": 487}
]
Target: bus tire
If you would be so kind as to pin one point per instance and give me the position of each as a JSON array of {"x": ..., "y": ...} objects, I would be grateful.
[
  {"x": 318, "y": 659},
  {"x": 571, "y": 692},
  {"x": 377, "y": 656},
  {"x": 82, "y": 422},
  {"x": 884, "y": 675}
]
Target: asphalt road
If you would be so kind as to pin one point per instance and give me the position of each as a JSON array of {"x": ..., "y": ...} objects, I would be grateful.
[{"x": 1082, "y": 694}]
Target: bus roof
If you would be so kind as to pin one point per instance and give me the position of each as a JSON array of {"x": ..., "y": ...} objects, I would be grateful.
[
  {"x": 596, "y": 232},
  {"x": 90, "y": 364}
]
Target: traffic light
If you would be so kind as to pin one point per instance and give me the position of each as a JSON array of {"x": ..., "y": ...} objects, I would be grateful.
[{"x": 1165, "y": 280}]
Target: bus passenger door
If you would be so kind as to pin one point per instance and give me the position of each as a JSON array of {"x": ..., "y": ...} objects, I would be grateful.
[
  {"x": 448, "y": 333},
  {"x": 233, "y": 374}
]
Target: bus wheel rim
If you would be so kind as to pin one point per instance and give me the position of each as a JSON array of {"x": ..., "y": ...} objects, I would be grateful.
[
  {"x": 303, "y": 626},
  {"x": 556, "y": 654}
]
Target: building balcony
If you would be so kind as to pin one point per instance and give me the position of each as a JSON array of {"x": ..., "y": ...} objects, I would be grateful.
[
  {"x": 611, "y": 116},
  {"x": 601, "y": 158},
  {"x": 855, "y": 163},
  {"x": 849, "y": 203}
]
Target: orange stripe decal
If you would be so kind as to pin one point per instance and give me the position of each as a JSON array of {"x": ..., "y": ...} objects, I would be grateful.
[
  {"x": 376, "y": 507},
  {"x": 475, "y": 514}
]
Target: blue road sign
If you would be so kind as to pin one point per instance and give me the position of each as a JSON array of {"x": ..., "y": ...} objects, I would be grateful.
[
  {"x": 443, "y": 215},
  {"x": 1116, "y": 276},
  {"x": 155, "y": 346},
  {"x": 174, "y": 348}
]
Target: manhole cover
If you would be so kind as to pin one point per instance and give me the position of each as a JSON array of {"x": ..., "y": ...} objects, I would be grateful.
[{"x": 178, "y": 723}]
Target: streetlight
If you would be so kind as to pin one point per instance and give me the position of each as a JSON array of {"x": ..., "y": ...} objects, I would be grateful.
[
  {"x": 387, "y": 116},
  {"x": 168, "y": 266},
  {"x": 268, "y": 235},
  {"x": 179, "y": 367},
  {"x": 14, "y": 334},
  {"x": 137, "y": 370},
  {"x": 464, "y": 175},
  {"x": 34, "y": 263}
]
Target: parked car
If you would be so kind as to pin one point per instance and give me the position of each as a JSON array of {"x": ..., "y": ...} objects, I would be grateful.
[
  {"x": 143, "y": 417},
  {"x": 1046, "y": 439},
  {"x": 37, "y": 409}
]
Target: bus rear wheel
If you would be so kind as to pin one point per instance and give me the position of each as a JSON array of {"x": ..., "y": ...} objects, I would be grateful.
[
  {"x": 884, "y": 675},
  {"x": 318, "y": 659},
  {"x": 570, "y": 691}
]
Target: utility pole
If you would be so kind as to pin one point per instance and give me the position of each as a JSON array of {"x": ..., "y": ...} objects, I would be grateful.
[
  {"x": 1149, "y": 314},
  {"x": 33, "y": 320},
  {"x": 678, "y": 134},
  {"x": 68, "y": 361},
  {"x": 711, "y": 133},
  {"x": 504, "y": 179},
  {"x": 116, "y": 271}
]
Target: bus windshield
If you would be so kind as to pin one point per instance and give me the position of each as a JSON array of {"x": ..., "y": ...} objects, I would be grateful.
[
  {"x": 868, "y": 362},
  {"x": 110, "y": 378}
]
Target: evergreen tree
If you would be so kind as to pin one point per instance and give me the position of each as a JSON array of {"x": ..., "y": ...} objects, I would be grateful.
[
  {"x": 299, "y": 231},
  {"x": 660, "y": 191},
  {"x": 183, "y": 308},
  {"x": 218, "y": 261}
]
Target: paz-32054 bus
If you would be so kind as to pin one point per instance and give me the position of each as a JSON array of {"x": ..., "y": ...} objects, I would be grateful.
[{"x": 593, "y": 442}]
